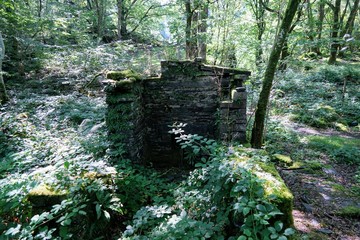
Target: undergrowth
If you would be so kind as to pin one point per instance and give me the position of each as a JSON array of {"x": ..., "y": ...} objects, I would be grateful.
[
  {"x": 221, "y": 199},
  {"x": 324, "y": 97},
  {"x": 58, "y": 148}
]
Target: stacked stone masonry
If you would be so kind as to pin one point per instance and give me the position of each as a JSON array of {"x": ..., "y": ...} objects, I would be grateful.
[{"x": 210, "y": 99}]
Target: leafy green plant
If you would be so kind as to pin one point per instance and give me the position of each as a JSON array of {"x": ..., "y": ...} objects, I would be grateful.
[
  {"x": 222, "y": 198},
  {"x": 85, "y": 213},
  {"x": 194, "y": 145}
]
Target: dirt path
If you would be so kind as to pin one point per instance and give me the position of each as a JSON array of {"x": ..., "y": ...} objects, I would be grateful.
[{"x": 322, "y": 194}]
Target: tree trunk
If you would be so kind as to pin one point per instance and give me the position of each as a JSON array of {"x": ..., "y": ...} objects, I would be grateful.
[
  {"x": 40, "y": 8},
  {"x": 350, "y": 22},
  {"x": 260, "y": 114},
  {"x": 89, "y": 6},
  {"x": 119, "y": 5},
  {"x": 202, "y": 32},
  {"x": 348, "y": 29},
  {"x": 194, "y": 51},
  {"x": 284, "y": 56},
  {"x": 257, "y": 6},
  {"x": 335, "y": 31},
  {"x": 321, "y": 17},
  {"x": 188, "y": 40},
  {"x": 100, "y": 14},
  {"x": 3, "y": 94}
]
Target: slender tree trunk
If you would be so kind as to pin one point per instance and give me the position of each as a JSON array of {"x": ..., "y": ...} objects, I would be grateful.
[
  {"x": 202, "y": 32},
  {"x": 258, "y": 9},
  {"x": 194, "y": 51},
  {"x": 3, "y": 94},
  {"x": 89, "y": 6},
  {"x": 188, "y": 40},
  {"x": 260, "y": 114},
  {"x": 321, "y": 17},
  {"x": 100, "y": 14},
  {"x": 335, "y": 31},
  {"x": 40, "y": 8},
  {"x": 311, "y": 27},
  {"x": 284, "y": 56},
  {"x": 348, "y": 29},
  {"x": 351, "y": 19},
  {"x": 119, "y": 5}
]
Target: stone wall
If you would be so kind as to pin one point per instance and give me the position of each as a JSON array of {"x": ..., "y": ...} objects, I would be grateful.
[{"x": 210, "y": 99}]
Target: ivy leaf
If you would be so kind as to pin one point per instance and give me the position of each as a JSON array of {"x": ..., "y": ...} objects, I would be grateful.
[
  {"x": 289, "y": 231},
  {"x": 247, "y": 232},
  {"x": 246, "y": 210},
  {"x": 272, "y": 230},
  {"x": 67, "y": 222},
  {"x": 274, "y": 236},
  {"x": 278, "y": 226},
  {"x": 261, "y": 208}
]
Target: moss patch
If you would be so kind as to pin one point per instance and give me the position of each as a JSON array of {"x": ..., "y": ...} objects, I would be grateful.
[
  {"x": 44, "y": 196},
  {"x": 349, "y": 211},
  {"x": 282, "y": 159},
  {"x": 125, "y": 74},
  {"x": 274, "y": 185}
]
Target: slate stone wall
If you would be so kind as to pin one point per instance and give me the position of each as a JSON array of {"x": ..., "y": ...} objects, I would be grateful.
[{"x": 210, "y": 99}]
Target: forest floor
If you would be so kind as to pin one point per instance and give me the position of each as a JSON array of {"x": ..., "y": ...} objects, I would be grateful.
[
  {"x": 57, "y": 116},
  {"x": 324, "y": 191}
]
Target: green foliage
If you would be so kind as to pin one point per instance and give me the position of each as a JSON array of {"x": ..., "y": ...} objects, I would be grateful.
[
  {"x": 349, "y": 211},
  {"x": 84, "y": 214},
  {"x": 340, "y": 149},
  {"x": 222, "y": 198},
  {"x": 319, "y": 99},
  {"x": 196, "y": 147}
]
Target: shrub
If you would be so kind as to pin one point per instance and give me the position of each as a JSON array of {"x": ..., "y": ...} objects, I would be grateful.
[{"x": 231, "y": 194}]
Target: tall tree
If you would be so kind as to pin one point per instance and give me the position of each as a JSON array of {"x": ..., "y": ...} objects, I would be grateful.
[
  {"x": 348, "y": 29},
  {"x": 3, "y": 94},
  {"x": 195, "y": 31},
  {"x": 131, "y": 15},
  {"x": 319, "y": 25},
  {"x": 335, "y": 31},
  {"x": 258, "y": 8},
  {"x": 100, "y": 9},
  {"x": 121, "y": 21},
  {"x": 260, "y": 114}
]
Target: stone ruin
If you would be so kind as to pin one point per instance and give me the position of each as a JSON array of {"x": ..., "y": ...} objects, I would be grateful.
[{"x": 210, "y": 99}]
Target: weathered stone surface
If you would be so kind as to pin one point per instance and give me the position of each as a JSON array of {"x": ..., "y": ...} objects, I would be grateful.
[{"x": 190, "y": 92}]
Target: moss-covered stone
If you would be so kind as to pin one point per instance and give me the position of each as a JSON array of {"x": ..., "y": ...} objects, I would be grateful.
[
  {"x": 273, "y": 183},
  {"x": 282, "y": 159},
  {"x": 125, "y": 74},
  {"x": 45, "y": 196}
]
